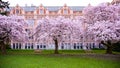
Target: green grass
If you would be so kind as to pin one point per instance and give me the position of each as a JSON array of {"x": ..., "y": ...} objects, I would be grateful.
[
  {"x": 57, "y": 61},
  {"x": 66, "y": 59}
]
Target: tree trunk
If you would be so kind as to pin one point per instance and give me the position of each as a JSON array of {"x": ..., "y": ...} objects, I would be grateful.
[
  {"x": 109, "y": 49},
  {"x": 3, "y": 48},
  {"x": 56, "y": 47},
  {"x": 109, "y": 46}
]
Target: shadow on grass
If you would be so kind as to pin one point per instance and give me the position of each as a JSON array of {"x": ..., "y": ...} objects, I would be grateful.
[{"x": 65, "y": 53}]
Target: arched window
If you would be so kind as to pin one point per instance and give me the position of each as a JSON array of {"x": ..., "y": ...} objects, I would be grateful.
[
  {"x": 17, "y": 11},
  {"x": 65, "y": 11},
  {"x": 41, "y": 11}
]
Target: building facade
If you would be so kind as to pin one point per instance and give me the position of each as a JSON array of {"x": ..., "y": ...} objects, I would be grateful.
[{"x": 34, "y": 13}]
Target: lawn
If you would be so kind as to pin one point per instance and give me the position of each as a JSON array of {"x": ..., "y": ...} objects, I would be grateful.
[{"x": 66, "y": 59}]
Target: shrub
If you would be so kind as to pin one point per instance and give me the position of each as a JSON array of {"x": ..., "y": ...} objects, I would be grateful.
[
  {"x": 8, "y": 46},
  {"x": 98, "y": 48},
  {"x": 116, "y": 47}
]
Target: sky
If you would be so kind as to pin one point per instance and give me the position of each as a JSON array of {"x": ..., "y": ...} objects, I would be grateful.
[{"x": 56, "y": 2}]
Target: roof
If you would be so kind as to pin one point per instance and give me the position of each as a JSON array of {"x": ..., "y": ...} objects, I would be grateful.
[
  {"x": 53, "y": 8},
  {"x": 29, "y": 8},
  {"x": 10, "y": 8},
  {"x": 77, "y": 8},
  {"x": 50, "y": 8}
]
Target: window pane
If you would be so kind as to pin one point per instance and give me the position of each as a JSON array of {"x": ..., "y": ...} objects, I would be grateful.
[
  {"x": 65, "y": 11},
  {"x": 30, "y": 22},
  {"x": 41, "y": 11},
  {"x": 17, "y": 11}
]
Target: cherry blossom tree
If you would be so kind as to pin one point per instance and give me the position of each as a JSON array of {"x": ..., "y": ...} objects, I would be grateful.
[
  {"x": 104, "y": 23},
  {"x": 79, "y": 30},
  {"x": 11, "y": 29},
  {"x": 101, "y": 12},
  {"x": 56, "y": 29}
]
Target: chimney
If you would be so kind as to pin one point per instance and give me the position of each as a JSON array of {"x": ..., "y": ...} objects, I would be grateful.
[
  {"x": 25, "y": 5},
  {"x": 31, "y": 5}
]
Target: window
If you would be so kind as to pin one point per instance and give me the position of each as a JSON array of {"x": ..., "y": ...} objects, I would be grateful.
[
  {"x": 90, "y": 45},
  {"x": 74, "y": 46},
  {"x": 63, "y": 44},
  {"x": 68, "y": 43},
  {"x": 37, "y": 46},
  {"x": 40, "y": 46},
  {"x": 31, "y": 12},
  {"x": 16, "y": 45},
  {"x": 41, "y": 11},
  {"x": 62, "y": 47},
  {"x": 17, "y": 11},
  {"x": 93, "y": 43},
  {"x": 77, "y": 47},
  {"x": 19, "y": 45},
  {"x": 30, "y": 22},
  {"x": 100, "y": 45},
  {"x": 28, "y": 47},
  {"x": 81, "y": 44},
  {"x": 44, "y": 46},
  {"x": 13, "y": 45},
  {"x": 78, "y": 44},
  {"x": 25, "y": 45},
  {"x": 32, "y": 46},
  {"x": 87, "y": 46},
  {"x": 93, "y": 46},
  {"x": 81, "y": 47},
  {"x": 65, "y": 11}
]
